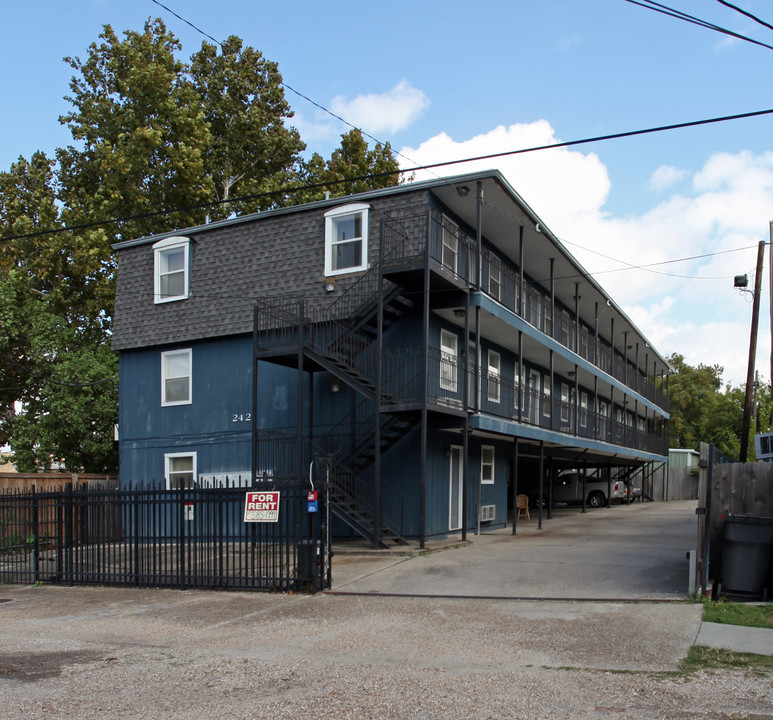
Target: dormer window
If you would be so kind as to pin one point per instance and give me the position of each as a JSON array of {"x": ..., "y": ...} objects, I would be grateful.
[
  {"x": 346, "y": 239},
  {"x": 171, "y": 262}
]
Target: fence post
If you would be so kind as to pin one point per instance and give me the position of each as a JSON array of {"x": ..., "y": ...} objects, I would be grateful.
[
  {"x": 36, "y": 534},
  {"x": 181, "y": 536},
  {"x": 68, "y": 530}
]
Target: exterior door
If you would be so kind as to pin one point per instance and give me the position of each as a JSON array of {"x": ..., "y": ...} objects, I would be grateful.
[{"x": 455, "y": 489}]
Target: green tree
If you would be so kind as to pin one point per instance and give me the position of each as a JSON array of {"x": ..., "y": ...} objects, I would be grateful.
[
  {"x": 55, "y": 359},
  {"x": 66, "y": 393},
  {"x": 703, "y": 410},
  {"x": 158, "y": 143},
  {"x": 355, "y": 160},
  {"x": 693, "y": 392},
  {"x": 252, "y": 151},
  {"x": 142, "y": 136}
]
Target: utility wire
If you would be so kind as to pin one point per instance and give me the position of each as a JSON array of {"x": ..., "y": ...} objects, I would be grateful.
[
  {"x": 679, "y": 15},
  {"x": 44, "y": 379},
  {"x": 745, "y": 12},
  {"x": 312, "y": 186},
  {"x": 289, "y": 87},
  {"x": 649, "y": 266}
]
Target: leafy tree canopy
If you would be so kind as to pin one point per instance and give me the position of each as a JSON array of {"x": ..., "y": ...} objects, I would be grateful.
[
  {"x": 158, "y": 143},
  {"x": 703, "y": 410}
]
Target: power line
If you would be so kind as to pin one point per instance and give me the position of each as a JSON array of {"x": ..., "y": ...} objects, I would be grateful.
[
  {"x": 289, "y": 87},
  {"x": 44, "y": 379},
  {"x": 373, "y": 176},
  {"x": 745, "y": 12},
  {"x": 648, "y": 267},
  {"x": 679, "y": 15}
]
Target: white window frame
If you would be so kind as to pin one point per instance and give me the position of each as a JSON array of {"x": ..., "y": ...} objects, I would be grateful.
[
  {"x": 565, "y": 402},
  {"x": 165, "y": 376},
  {"x": 450, "y": 241},
  {"x": 493, "y": 385},
  {"x": 547, "y": 394},
  {"x": 169, "y": 459},
  {"x": 494, "y": 279},
  {"x": 449, "y": 361},
  {"x": 160, "y": 250},
  {"x": 331, "y": 242},
  {"x": 583, "y": 409},
  {"x": 487, "y": 478}
]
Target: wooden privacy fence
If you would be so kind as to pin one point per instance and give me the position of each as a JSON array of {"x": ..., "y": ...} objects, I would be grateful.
[
  {"x": 183, "y": 538},
  {"x": 727, "y": 489},
  {"x": 24, "y": 482},
  {"x": 674, "y": 483}
]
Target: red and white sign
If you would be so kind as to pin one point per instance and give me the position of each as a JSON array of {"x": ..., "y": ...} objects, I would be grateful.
[{"x": 262, "y": 506}]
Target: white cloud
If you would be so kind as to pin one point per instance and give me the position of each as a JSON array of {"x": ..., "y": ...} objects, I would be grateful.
[
  {"x": 665, "y": 177},
  {"x": 688, "y": 307},
  {"x": 386, "y": 112}
]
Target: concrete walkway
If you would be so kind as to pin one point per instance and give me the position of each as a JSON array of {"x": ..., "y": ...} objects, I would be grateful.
[
  {"x": 626, "y": 554},
  {"x": 737, "y": 638}
]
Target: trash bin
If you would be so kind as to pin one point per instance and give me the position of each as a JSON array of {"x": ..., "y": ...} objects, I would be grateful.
[
  {"x": 309, "y": 560},
  {"x": 746, "y": 551}
]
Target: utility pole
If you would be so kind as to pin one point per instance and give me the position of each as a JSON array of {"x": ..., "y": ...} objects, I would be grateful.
[
  {"x": 747, "y": 406},
  {"x": 770, "y": 289}
]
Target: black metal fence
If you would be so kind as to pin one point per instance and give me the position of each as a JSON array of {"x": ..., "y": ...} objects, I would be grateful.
[{"x": 149, "y": 536}]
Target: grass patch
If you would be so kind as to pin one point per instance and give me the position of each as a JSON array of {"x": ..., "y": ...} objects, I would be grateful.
[
  {"x": 731, "y": 613},
  {"x": 704, "y": 658}
]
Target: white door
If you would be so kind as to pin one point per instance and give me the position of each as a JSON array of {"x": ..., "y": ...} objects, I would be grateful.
[{"x": 455, "y": 489}]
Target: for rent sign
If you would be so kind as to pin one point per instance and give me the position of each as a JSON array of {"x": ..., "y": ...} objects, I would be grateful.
[{"x": 262, "y": 506}]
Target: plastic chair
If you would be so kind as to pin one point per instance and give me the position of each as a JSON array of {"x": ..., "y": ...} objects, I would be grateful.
[{"x": 522, "y": 506}]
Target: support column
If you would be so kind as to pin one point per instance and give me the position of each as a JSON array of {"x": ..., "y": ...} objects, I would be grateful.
[
  {"x": 540, "y": 503},
  {"x": 515, "y": 484}
]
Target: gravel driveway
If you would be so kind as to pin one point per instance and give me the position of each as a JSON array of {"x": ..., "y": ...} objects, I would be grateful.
[{"x": 82, "y": 653}]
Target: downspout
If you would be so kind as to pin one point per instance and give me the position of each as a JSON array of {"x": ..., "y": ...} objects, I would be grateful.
[
  {"x": 577, "y": 318},
  {"x": 552, "y": 297},
  {"x": 520, "y": 271},
  {"x": 254, "y": 449},
  {"x": 377, "y": 508},
  {"x": 301, "y": 339},
  {"x": 425, "y": 390},
  {"x": 466, "y": 406}
]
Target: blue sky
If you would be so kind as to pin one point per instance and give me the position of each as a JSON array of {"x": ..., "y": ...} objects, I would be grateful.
[{"x": 443, "y": 80}]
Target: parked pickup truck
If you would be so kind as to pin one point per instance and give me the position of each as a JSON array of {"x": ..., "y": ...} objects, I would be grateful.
[{"x": 567, "y": 488}]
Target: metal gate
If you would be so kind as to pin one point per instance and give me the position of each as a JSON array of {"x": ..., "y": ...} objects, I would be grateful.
[{"x": 147, "y": 536}]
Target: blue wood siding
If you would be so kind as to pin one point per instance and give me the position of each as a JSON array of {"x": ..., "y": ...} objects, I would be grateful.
[{"x": 216, "y": 425}]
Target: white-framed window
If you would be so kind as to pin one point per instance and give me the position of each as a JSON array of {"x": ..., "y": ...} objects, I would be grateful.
[
  {"x": 179, "y": 470},
  {"x": 487, "y": 465},
  {"x": 547, "y": 404},
  {"x": 450, "y": 251},
  {"x": 494, "y": 360},
  {"x": 584, "y": 342},
  {"x": 176, "y": 377},
  {"x": 517, "y": 384},
  {"x": 583, "y": 409},
  {"x": 346, "y": 239},
  {"x": 494, "y": 278},
  {"x": 171, "y": 258},
  {"x": 565, "y": 400},
  {"x": 532, "y": 398},
  {"x": 449, "y": 354}
]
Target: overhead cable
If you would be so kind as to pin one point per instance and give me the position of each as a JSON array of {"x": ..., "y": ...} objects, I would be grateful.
[{"x": 372, "y": 176}]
